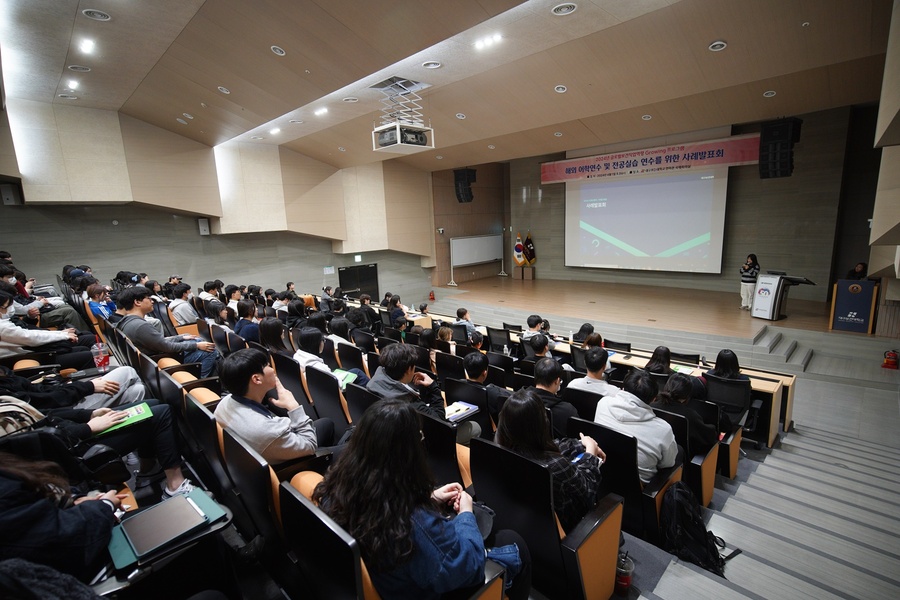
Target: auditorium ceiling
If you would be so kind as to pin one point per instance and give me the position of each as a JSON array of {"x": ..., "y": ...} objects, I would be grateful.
[{"x": 632, "y": 69}]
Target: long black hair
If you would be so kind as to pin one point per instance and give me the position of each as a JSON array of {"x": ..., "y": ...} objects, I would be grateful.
[
  {"x": 727, "y": 365},
  {"x": 378, "y": 481},
  {"x": 659, "y": 361},
  {"x": 271, "y": 335},
  {"x": 678, "y": 390},
  {"x": 523, "y": 426}
]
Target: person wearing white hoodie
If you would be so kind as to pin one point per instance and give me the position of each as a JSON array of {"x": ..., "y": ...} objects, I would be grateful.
[{"x": 629, "y": 412}]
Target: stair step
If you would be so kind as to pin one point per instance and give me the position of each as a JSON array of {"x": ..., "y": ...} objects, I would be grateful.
[
  {"x": 831, "y": 450},
  {"x": 835, "y": 487},
  {"x": 840, "y": 475},
  {"x": 682, "y": 581},
  {"x": 850, "y": 463},
  {"x": 830, "y": 437}
]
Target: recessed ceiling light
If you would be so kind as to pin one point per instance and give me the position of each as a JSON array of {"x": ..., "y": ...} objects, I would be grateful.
[
  {"x": 73, "y": 85},
  {"x": 320, "y": 112},
  {"x": 439, "y": 157},
  {"x": 224, "y": 89},
  {"x": 86, "y": 46},
  {"x": 350, "y": 99},
  {"x": 203, "y": 105},
  {"x": 646, "y": 117},
  {"x": 431, "y": 64},
  {"x": 769, "y": 94},
  {"x": 558, "y": 134},
  {"x": 561, "y": 10},
  {"x": 718, "y": 46},
  {"x": 256, "y": 137},
  {"x": 97, "y": 15},
  {"x": 560, "y": 89},
  {"x": 68, "y": 97},
  {"x": 188, "y": 116},
  {"x": 491, "y": 146},
  {"x": 460, "y": 116},
  {"x": 274, "y": 131},
  {"x": 182, "y": 121},
  {"x": 804, "y": 24},
  {"x": 296, "y": 121},
  {"x": 488, "y": 41},
  {"x": 278, "y": 50},
  {"x": 342, "y": 149},
  {"x": 79, "y": 68}
]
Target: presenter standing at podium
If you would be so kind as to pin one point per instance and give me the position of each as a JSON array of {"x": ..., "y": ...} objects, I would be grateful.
[
  {"x": 859, "y": 272},
  {"x": 749, "y": 273}
]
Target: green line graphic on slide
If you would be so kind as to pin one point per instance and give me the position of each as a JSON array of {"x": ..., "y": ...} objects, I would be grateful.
[{"x": 697, "y": 241}]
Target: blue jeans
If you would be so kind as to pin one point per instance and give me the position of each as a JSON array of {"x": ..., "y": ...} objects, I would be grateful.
[{"x": 207, "y": 361}]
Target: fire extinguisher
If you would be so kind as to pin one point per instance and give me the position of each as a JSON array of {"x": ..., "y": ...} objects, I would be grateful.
[
  {"x": 890, "y": 360},
  {"x": 431, "y": 296}
]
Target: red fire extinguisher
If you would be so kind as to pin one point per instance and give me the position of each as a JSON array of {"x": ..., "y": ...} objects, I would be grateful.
[
  {"x": 431, "y": 298},
  {"x": 890, "y": 360}
]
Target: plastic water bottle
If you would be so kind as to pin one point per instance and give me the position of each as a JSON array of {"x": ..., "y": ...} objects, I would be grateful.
[
  {"x": 571, "y": 337},
  {"x": 505, "y": 350}
]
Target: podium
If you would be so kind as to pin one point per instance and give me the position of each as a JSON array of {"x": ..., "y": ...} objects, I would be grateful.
[
  {"x": 853, "y": 305},
  {"x": 770, "y": 295}
]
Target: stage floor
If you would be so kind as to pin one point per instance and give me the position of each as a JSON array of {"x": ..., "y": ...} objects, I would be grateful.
[{"x": 696, "y": 311}]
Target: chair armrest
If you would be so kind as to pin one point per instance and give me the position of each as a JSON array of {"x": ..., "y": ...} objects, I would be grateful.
[
  {"x": 491, "y": 589},
  {"x": 590, "y": 550},
  {"x": 29, "y": 372},
  {"x": 652, "y": 497},
  {"x": 728, "y": 459},
  {"x": 211, "y": 383},
  {"x": 192, "y": 368},
  {"x": 318, "y": 462},
  {"x": 700, "y": 474}
]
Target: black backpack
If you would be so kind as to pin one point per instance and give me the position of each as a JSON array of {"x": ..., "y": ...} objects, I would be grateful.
[{"x": 684, "y": 533}]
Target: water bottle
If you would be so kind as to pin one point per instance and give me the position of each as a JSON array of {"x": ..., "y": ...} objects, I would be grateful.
[
  {"x": 100, "y": 356},
  {"x": 505, "y": 350}
]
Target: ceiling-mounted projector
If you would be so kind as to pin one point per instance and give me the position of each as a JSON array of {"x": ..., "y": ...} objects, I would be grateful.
[
  {"x": 407, "y": 136},
  {"x": 402, "y": 138}
]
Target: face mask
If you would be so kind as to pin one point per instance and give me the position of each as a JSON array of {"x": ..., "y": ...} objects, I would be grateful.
[
  {"x": 12, "y": 280},
  {"x": 190, "y": 296}
]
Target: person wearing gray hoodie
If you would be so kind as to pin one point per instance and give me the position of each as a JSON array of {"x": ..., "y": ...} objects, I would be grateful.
[{"x": 629, "y": 412}]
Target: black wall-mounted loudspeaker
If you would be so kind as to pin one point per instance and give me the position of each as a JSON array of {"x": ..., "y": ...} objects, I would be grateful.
[
  {"x": 464, "y": 178},
  {"x": 776, "y": 147}
]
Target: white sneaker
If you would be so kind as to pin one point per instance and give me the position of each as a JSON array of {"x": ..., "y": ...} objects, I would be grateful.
[{"x": 184, "y": 488}]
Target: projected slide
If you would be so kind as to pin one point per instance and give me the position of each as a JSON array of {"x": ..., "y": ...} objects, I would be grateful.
[{"x": 666, "y": 223}]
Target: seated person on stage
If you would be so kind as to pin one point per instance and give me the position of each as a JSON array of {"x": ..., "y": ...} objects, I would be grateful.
[
  {"x": 249, "y": 377},
  {"x": 101, "y": 305},
  {"x": 476, "y": 366},
  {"x": 245, "y": 327},
  {"x": 674, "y": 398},
  {"x": 574, "y": 464},
  {"x": 119, "y": 386},
  {"x": 18, "y": 340},
  {"x": 209, "y": 291},
  {"x": 629, "y": 412},
  {"x": 547, "y": 382},
  {"x": 464, "y": 318},
  {"x": 233, "y": 295},
  {"x": 595, "y": 360},
  {"x": 181, "y": 307},
  {"x": 136, "y": 303},
  {"x": 397, "y": 378}
]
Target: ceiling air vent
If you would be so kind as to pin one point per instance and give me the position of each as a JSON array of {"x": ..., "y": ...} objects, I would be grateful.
[{"x": 96, "y": 15}]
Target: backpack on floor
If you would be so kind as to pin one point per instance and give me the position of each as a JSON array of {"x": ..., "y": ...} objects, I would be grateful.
[{"x": 683, "y": 532}]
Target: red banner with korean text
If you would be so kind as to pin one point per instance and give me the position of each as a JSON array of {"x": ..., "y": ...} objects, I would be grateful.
[{"x": 731, "y": 151}]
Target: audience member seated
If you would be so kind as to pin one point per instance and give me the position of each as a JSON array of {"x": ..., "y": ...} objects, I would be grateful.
[
  {"x": 397, "y": 378},
  {"x": 547, "y": 382},
  {"x": 169, "y": 286},
  {"x": 254, "y": 292},
  {"x": 476, "y": 366},
  {"x": 136, "y": 303},
  {"x": 119, "y": 386},
  {"x": 101, "y": 304},
  {"x": 358, "y": 320},
  {"x": 209, "y": 291},
  {"x": 233, "y": 295},
  {"x": 400, "y": 325},
  {"x": 246, "y": 327},
  {"x": 428, "y": 340},
  {"x": 312, "y": 344},
  {"x": 181, "y": 307},
  {"x": 674, "y": 398},
  {"x": 540, "y": 343},
  {"x": 42, "y": 522},
  {"x": 629, "y": 412},
  {"x": 535, "y": 323},
  {"x": 271, "y": 336},
  {"x": 249, "y": 377},
  {"x": 464, "y": 318},
  {"x": 396, "y": 308},
  {"x": 217, "y": 314},
  {"x": 381, "y": 491},
  {"x": 365, "y": 305},
  {"x": 659, "y": 361},
  {"x": 18, "y": 340},
  {"x": 326, "y": 299},
  {"x": 386, "y": 301},
  {"x": 289, "y": 292},
  {"x": 280, "y": 302},
  {"x": 596, "y": 360},
  {"x": 585, "y": 330},
  {"x": 476, "y": 341},
  {"x": 574, "y": 464},
  {"x": 296, "y": 313},
  {"x": 54, "y": 312},
  {"x": 727, "y": 366},
  {"x": 318, "y": 320},
  {"x": 340, "y": 331},
  {"x": 445, "y": 334},
  {"x": 338, "y": 307},
  {"x": 156, "y": 291},
  {"x": 593, "y": 340}
]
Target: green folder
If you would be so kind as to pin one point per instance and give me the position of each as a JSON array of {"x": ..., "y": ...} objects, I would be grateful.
[{"x": 136, "y": 414}]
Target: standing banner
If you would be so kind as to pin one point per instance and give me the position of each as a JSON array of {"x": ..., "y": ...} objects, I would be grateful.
[
  {"x": 853, "y": 305},
  {"x": 519, "y": 251},
  {"x": 529, "y": 252},
  {"x": 765, "y": 296}
]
